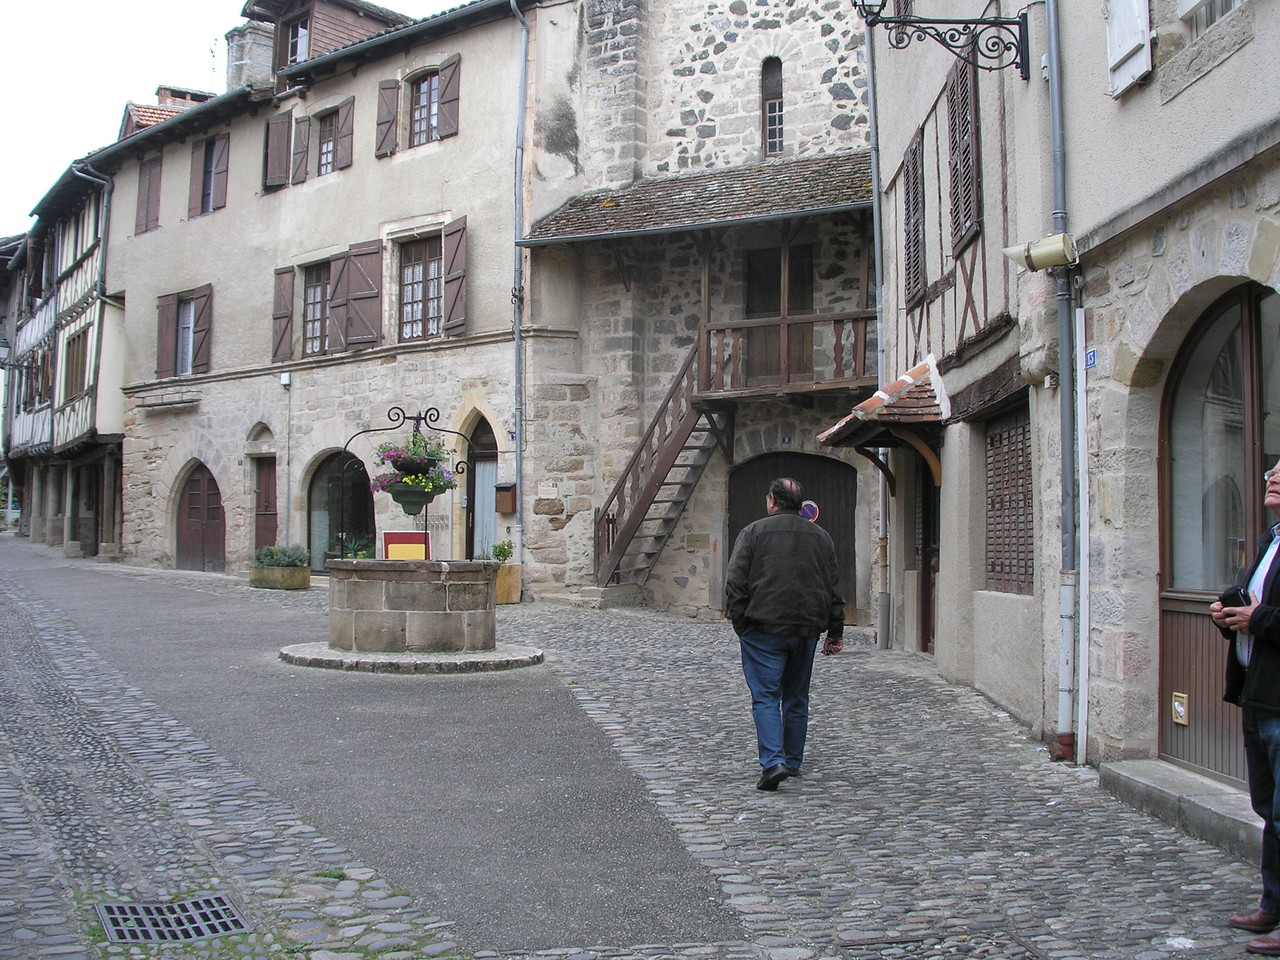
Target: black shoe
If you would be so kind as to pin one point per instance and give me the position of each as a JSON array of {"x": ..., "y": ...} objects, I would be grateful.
[
  {"x": 770, "y": 779},
  {"x": 793, "y": 771}
]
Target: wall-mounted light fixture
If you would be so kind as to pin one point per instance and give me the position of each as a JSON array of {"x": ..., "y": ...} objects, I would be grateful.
[
  {"x": 1056, "y": 250},
  {"x": 5, "y": 352},
  {"x": 989, "y": 43}
]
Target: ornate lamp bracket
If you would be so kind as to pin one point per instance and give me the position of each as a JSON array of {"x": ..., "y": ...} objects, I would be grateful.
[{"x": 989, "y": 43}]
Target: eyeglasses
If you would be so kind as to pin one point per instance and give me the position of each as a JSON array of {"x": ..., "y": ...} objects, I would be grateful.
[{"x": 1273, "y": 472}]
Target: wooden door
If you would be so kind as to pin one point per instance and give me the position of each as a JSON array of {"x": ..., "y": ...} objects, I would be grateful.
[
  {"x": 265, "y": 516},
  {"x": 831, "y": 484},
  {"x": 202, "y": 526}
]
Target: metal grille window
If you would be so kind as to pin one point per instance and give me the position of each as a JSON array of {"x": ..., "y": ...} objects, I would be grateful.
[
  {"x": 424, "y": 110},
  {"x": 913, "y": 278},
  {"x": 328, "y": 134},
  {"x": 1010, "y": 523},
  {"x": 771, "y": 105},
  {"x": 421, "y": 289},
  {"x": 315, "y": 319}
]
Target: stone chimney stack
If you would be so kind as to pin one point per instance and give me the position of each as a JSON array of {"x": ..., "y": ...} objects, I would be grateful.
[{"x": 249, "y": 55}]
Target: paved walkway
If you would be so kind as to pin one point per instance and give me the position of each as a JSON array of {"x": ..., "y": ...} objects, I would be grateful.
[{"x": 154, "y": 749}]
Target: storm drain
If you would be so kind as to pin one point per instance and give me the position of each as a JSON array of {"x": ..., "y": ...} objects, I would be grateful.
[{"x": 214, "y": 916}]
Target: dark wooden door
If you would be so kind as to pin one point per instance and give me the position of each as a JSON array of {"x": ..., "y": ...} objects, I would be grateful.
[
  {"x": 831, "y": 484},
  {"x": 202, "y": 527},
  {"x": 928, "y": 509},
  {"x": 265, "y": 516}
]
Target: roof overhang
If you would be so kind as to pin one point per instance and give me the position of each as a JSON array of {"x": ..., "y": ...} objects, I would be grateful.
[{"x": 738, "y": 196}]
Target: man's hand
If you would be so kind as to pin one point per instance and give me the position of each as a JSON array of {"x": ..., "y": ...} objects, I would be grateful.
[
  {"x": 832, "y": 645},
  {"x": 1233, "y": 618}
]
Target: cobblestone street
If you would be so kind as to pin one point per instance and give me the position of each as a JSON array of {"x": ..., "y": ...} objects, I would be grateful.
[{"x": 135, "y": 769}]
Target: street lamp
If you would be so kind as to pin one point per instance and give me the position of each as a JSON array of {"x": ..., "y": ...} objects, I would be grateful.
[{"x": 989, "y": 43}]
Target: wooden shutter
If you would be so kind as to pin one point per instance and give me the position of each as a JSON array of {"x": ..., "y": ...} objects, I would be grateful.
[
  {"x": 275, "y": 164},
  {"x": 450, "y": 93},
  {"x": 301, "y": 149},
  {"x": 1010, "y": 532},
  {"x": 202, "y": 329},
  {"x": 966, "y": 191},
  {"x": 338, "y": 303},
  {"x": 388, "y": 127},
  {"x": 453, "y": 266},
  {"x": 1128, "y": 43},
  {"x": 364, "y": 294},
  {"x": 282, "y": 316},
  {"x": 344, "y": 134},
  {"x": 196, "y": 187},
  {"x": 913, "y": 221},
  {"x": 166, "y": 335},
  {"x": 148, "y": 211},
  {"x": 221, "y": 163}
]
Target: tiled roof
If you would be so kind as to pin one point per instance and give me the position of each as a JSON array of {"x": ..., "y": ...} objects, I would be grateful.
[
  {"x": 766, "y": 191},
  {"x": 913, "y": 399},
  {"x": 148, "y": 115}
]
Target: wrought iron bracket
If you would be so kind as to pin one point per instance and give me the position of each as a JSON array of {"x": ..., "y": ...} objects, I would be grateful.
[{"x": 989, "y": 43}]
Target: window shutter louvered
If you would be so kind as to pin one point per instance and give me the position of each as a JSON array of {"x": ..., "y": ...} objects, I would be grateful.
[
  {"x": 301, "y": 149},
  {"x": 453, "y": 239},
  {"x": 148, "y": 212},
  {"x": 364, "y": 294},
  {"x": 282, "y": 316},
  {"x": 276, "y": 163},
  {"x": 338, "y": 303},
  {"x": 344, "y": 134},
  {"x": 450, "y": 87},
  {"x": 1128, "y": 43},
  {"x": 963, "y": 166},
  {"x": 913, "y": 222},
  {"x": 202, "y": 329},
  {"x": 166, "y": 335},
  {"x": 388, "y": 128},
  {"x": 221, "y": 164},
  {"x": 196, "y": 186}
]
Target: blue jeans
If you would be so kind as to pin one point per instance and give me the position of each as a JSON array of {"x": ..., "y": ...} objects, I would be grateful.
[
  {"x": 778, "y": 670},
  {"x": 1262, "y": 760}
]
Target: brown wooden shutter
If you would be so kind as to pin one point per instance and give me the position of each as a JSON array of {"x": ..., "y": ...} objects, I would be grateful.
[
  {"x": 202, "y": 329},
  {"x": 301, "y": 149},
  {"x": 338, "y": 303},
  {"x": 966, "y": 192},
  {"x": 196, "y": 187},
  {"x": 913, "y": 221},
  {"x": 221, "y": 163},
  {"x": 275, "y": 164},
  {"x": 453, "y": 266},
  {"x": 450, "y": 93},
  {"x": 282, "y": 316},
  {"x": 148, "y": 212},
  {"x": 388, "y": 128},
  {"x": 344, "y": 134},
  {"x": 166, "y": 335},
  {"x": 364, "y": 294}
]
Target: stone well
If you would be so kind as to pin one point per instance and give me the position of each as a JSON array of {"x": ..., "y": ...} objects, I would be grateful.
[{"x": 412, "y": 606}]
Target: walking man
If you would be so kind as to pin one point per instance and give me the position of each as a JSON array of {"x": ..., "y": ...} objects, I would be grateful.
[
  {"x": 782, "y": 592},
  {"x": 1251, "y": 620}
]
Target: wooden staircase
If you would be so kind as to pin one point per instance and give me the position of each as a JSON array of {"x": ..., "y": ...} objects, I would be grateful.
[{"x": 642, "y": 511}]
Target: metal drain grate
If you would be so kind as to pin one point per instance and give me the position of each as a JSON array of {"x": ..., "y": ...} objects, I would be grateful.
[{"x": 214, "y": 916}]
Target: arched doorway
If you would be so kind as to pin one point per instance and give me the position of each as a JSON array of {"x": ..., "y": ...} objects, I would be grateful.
[
  {"x": 482, "y": 515},
  {"x": 1221, "y": 430},
  {"x": 202, "y": 525},
  {"x": 831, "y": 484},
  {"x": 340, "y": 512}
]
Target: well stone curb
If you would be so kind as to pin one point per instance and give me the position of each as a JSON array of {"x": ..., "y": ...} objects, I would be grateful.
[{"x": 502, "y": 657}]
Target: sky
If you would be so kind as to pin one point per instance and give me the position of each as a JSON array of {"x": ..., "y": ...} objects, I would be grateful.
[{"x": 72, "y": 67}]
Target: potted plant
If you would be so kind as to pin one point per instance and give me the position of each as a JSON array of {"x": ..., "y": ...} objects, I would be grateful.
[
  {"x": 417, "y": 471},
  {"x": 281, "y": 568},
  {"x": 509, "y": 574}
]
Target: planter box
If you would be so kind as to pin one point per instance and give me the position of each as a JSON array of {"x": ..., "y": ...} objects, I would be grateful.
[
  {"x": 280, "y": 578},
  {"x": 509, "y": 583}
]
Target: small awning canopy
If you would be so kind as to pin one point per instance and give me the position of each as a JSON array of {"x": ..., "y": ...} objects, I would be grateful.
[{"x": 907, "y": 412}]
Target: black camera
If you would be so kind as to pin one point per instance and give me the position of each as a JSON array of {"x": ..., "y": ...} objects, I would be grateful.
[{"x": 1234, "y": 597}]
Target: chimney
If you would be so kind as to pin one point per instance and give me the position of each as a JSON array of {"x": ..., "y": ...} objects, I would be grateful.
[{"x": 249, "y": 55}]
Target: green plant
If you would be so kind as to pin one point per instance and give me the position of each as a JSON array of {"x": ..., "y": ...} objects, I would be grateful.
[
  {"x": 502, "y": 551},
  {"x": 294, "y": 556}
]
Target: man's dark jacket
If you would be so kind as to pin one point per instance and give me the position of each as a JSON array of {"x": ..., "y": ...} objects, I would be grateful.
[
  {"x": 784, "y": 579},
  {"x": 1258, "y": 686}
]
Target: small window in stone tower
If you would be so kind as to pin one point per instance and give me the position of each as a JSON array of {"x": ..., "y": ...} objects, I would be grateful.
[{"x": 771, "y": 105}]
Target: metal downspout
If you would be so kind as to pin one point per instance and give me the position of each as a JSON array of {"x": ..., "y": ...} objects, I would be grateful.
[
  {"x": 517, "y": 283},
  {"x": 883, "y": 599},
  {"x": 1064, "y": 743}
]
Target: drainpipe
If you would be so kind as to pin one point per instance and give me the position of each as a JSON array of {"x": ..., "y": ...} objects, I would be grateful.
[
  {"x": 1082, "y": 473},
  {"x": 883, "y": 609},
  {"x": 1064, "y": 742},
  {"x": 517, "y": 282}
]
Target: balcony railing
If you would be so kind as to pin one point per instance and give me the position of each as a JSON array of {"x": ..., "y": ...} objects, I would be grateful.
[{"x": 788, "y": 355}]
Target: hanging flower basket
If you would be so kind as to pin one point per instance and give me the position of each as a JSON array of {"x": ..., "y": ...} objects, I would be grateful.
[
  {"x": 419, "y": 472},
  {"x": 412, "y": 499}
]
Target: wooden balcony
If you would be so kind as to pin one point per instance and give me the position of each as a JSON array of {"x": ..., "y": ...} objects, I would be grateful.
[{"x": 795, "y": 356}]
